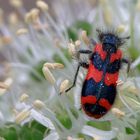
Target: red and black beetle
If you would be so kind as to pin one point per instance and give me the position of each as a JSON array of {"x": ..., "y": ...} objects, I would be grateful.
[{"x": 99, "y": 88}]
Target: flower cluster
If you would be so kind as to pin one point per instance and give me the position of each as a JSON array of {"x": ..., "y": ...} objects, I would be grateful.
[{"x": 39, "y": 58}]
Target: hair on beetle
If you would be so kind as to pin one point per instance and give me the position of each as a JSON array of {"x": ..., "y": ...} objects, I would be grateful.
[{"x": 111, "y": 37}]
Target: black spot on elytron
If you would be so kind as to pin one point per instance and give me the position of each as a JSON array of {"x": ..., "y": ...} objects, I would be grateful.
[
  {"x": 97, "y": 61},
  {"x": 94, "y": 109},
  {"x": 89, "y": 87},
  {"x": 99, "y": 64},
  {"x": 114, "y": 66},
  {"x": 99, "y": 90},
  {"x": 109, "y": 93}
]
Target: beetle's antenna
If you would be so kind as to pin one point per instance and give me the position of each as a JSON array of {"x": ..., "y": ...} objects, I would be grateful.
[{"x": 128, "y": 37}]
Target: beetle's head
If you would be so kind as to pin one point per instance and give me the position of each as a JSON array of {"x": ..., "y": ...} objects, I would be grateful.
[{"x": 110, "y": 41}]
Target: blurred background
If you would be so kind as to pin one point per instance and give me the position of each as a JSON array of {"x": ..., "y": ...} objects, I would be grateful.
[{"x": 5, "y": 4}]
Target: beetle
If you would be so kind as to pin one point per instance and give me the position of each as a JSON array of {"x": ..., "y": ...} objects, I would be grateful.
[{"x": 99, "y": 87}]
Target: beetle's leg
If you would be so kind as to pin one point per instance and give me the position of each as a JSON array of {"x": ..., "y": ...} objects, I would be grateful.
[
  {"x": 84, "y": 64},
  {"x": 93, "y": 43},
  {"x": 88, "y": 52},
  {"x": 85, "y": 51},
  {"x": 81, "y": 64},
  {"x": 128, "y": 62}
]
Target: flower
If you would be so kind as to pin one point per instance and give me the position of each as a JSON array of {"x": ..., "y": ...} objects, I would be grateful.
[{"x": 39, "y": 52}]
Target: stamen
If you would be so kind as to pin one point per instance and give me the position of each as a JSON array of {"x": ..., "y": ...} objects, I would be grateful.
[
  {"x": 24, "y": 97},
  {"x": 119, "y": 82},
  {"x": 42, "y": 5},
  {"x": 72, "y": 49},
  {"x": 121, "y": 28},
  {"x": 85, "y": 37},
  {"x": 3, "y": 85},
  {"x": 54, "y": 65},
  {"x": 63, "y": 86},
  {"x": 77, "y": 43},
  {"x": 138, "y": 5},
  {"x": 13, "y": 18},
  {"x": 133, "y": 89},
  {"x": 48, "y": 75},
  {"x": 32, "y": 16},
  {"x": 38, "y": 104},
  {"x": 22, "y": 31},
  {"x": 117, "y": 112},
  {"x": 22, "y": 116},
  {"x": 5, "y": 40},
  {"x": 16, "y": 3},
  {"x": 102, "y": 2},
  {"x": 107, "y": 16}
]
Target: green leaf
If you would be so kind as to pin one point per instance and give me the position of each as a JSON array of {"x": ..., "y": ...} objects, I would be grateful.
[
  {"x": 25, "y": 133},
  {"x": 58, "y": 59},
  {"x": 129, "y": 130},
  {"x": 84, "y": 25},
  {"x": 30, "y": 131},
  {"x": 137, "y": 138},
  {"x": 65, "y": 120},
  {"x": 38, "y": 126},
  {"x": 72, "y": 33},
  {"x": 36, "y": 134},
  {"x": 80, "y": 24},
  {"x": 38, "y": 69},
  {"x": 115, "y": 139},
  {"x": 138, "y": 125},
  {"x": 134, "y": 53},
  {"x": 74, "y": 112},
  {"x": 104, "y": 125},
  {"x": 80, "y": 135},
  {"x": 10, "y": 134}
]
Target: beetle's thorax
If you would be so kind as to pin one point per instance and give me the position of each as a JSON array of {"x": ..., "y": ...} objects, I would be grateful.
[{"x": 109, "y": 48}]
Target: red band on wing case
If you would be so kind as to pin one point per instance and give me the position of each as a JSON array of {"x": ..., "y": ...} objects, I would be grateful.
[
  {"x": 116, "y": 56},
  {"x": 99, "y": 49},
  {"x": 111, "y": 78},
  {"x": 104, "y": 103},
  {"x": 94, "y": 73},
  {"x": 88, "y": 99}
]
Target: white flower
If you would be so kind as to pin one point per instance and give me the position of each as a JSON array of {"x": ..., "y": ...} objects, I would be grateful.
[{"x": 43, "y": 40}]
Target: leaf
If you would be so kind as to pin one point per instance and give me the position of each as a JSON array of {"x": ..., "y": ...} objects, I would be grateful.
[
  {"x": 84, "y": 25},
  {"x": 36, "y": 134},
  {"x": 65, "y": 120},
  {"x": 38, "y": 69},
  {"x": 25, "y": 133},
  {"x": 72, "y": 34},
  {"x": 138, "y": 125},
  {"x": 133, "y": 52},
  {"x": 10, "y": 134},
  {"x": 38, "y": 126},
  {"x": 30, "y": 131},
  {"x": 137, "y": 138},
  {"x": 58, "y": 59},
  {"x": 129, "y": 130},
  {"x": 104, "y": 125},
  {"x": 80, "y": 24}
]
